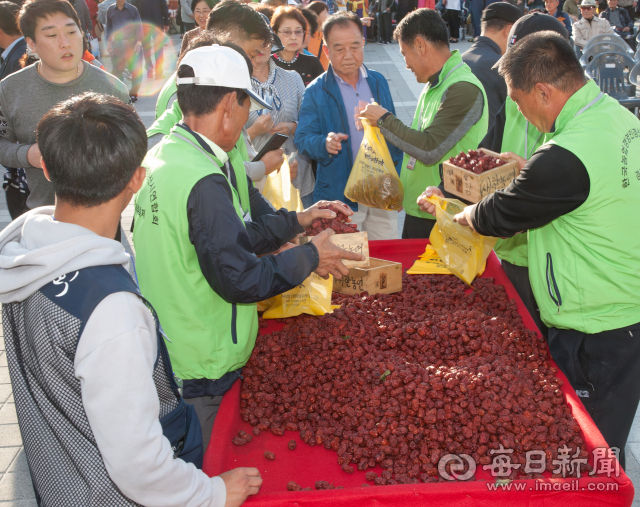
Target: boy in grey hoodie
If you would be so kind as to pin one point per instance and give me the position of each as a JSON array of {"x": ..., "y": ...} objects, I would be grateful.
[{"x": 99, "y": 411}]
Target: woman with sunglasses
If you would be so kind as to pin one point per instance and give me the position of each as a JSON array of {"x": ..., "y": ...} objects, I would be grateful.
[{"x": 291, "y": 26}]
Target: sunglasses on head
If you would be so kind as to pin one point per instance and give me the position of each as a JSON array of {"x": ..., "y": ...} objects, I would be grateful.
[{"x": 587, "y": 8}]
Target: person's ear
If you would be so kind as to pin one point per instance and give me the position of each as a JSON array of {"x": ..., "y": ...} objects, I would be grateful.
[
  {"x": 45, "y": 170},
  {"x": 136, "y": 181},
  {"x": 31, "y": 43},
  {"x": 544, "y": 93}
]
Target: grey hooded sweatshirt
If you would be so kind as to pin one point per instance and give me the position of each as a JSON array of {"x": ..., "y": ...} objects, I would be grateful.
[{"x": 114, "y": 365}]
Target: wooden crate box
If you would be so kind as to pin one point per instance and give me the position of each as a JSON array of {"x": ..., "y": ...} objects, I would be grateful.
[
  {"x": 474, "y": 187},
  {"x": 381, "y": 277}
]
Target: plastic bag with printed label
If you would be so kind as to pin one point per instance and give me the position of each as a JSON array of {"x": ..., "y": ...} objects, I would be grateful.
[
  {"x": 430, "y": 263},
  {"x": 374, "y": 180},
  {"x": 462, "y": 250},
  {"x": 279, "y": 191},
  {"x": 313, "y": 297}
]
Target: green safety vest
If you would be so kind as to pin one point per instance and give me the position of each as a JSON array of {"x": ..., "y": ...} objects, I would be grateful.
[
  {"x": 523, "y": 139},
  {"x": 422, "y": 176},
  {"x": 584, "y": 266},
  {"x": 208, "y": 336},
  {"x": 169, "y": 89}
]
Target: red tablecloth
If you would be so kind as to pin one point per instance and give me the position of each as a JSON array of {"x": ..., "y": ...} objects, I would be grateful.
[{"x": 308, "y": 464}]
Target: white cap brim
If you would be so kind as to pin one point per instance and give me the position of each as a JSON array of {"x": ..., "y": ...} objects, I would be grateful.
[{"x": 256, "y": 102}]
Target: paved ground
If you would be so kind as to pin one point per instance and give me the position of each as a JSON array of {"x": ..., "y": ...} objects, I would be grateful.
[{"x": 15, "y": 483}]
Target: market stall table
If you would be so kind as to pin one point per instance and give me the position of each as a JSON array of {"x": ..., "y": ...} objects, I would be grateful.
[{"x": 305, "y": 465}]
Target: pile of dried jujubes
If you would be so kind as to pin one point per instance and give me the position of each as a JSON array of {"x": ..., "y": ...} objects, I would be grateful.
[{"x": 399, "y": 380}]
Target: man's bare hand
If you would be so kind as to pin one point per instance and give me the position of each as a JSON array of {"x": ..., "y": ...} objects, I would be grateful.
[
  {"x": 331, "y": 256},
  {"x": 34, "y": 157},
  {"x": 464, "y": 217},
  {"x": 306, "y": 217},
  {"x": 510, "y": 156},
  {"x": 272, "y": 160},
  {"x": 240, "y": 483},
  {"x": 334, "y": 142},
  {"x": 426, "y": 205},
  {"x": 373, "y": 112}
]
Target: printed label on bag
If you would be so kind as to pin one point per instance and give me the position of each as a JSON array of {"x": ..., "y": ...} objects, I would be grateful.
[{"x": 411, "y": 164}]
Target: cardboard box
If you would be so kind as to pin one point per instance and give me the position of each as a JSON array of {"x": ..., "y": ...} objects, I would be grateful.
[
  {"x": 382, "y": 277},
  {"x": 473, "y": 187},
  {"x": 355, "y": 242}
]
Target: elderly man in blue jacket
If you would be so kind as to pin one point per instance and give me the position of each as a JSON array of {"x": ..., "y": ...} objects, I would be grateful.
[{"x": 327, "y": 129}]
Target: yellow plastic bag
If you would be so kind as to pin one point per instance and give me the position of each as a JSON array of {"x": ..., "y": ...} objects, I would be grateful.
[
  {"x": 430, "y": 263},
  {"x": 374, "y": 180},
  {"x": 462, "y": 250},
  {"x": 313, "y": 297},
  {"x": 279, "y": 191}
]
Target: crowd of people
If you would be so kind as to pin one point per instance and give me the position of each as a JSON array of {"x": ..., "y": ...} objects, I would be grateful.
[{"x": 106, "y": 351}]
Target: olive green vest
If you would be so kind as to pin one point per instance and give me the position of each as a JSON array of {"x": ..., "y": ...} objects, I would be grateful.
[
  {"x": 208, "y": 336},
  {"x": 422, "y": 176},
  {"x": 523, "y": 139},
  {"x": 584, "y": 267}
]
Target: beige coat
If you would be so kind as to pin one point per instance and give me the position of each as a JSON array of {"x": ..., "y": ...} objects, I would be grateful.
[{"x": 583, "y": 31}]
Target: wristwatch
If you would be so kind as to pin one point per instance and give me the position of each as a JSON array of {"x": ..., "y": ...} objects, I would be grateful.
[{"x": 383, "y": 118}]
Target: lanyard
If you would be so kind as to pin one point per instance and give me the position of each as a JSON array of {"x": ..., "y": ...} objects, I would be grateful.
[{"x": 585, "y": 108}]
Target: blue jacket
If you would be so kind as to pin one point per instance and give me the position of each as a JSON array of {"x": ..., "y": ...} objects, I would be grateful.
[{"x": 323, "y": 111}]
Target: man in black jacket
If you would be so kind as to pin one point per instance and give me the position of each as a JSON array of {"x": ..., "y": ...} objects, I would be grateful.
[
  {"x": 497, "y": 20},
  {"x": 154, "y": 15},
  {"x": 383, "y": 9}
]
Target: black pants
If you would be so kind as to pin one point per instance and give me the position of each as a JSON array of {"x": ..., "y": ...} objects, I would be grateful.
[
  {"x": 453, "y": 17},
  {"x": 416, "y": 227},
  {"x": 16, "y": 201},
  {"x": 632, "y": 11},
  {"x": 603, "y": 368},
  {"x": 519, "y": 277},
  {"x": 207, "y": 410},
  {"x": 384, "y": 27}
]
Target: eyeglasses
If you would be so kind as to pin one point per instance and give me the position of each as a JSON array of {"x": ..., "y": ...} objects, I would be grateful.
[{"x": 289, "y": 33}]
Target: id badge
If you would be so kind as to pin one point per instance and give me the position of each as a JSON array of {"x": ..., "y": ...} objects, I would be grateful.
[{"x": 411, "y": 164}]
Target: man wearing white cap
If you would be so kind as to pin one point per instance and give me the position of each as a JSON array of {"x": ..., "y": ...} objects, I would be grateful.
[
  {"x": 196, "y": 244},
  {"x": 590, "y": 25}
]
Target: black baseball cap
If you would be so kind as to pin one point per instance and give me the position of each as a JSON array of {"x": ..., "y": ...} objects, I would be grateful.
[
  {"x": 533, "y": 23},
  {"x": 501, "y": 10}
]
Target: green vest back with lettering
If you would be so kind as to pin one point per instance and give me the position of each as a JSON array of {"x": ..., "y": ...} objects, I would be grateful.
[
  {"x": 422, "y": 176},
  {"x": 523, "y": 139},
  {"x": 208, "y": 336},
  {"x": 584, "y": 266}
]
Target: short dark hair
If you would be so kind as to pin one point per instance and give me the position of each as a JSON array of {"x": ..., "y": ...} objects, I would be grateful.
[
  {"x": 542, "y": 57},
  {"x": 312, "y": 20},
  {"x": 91, "y": 145},
  {"x": 264, "y": 9},
  {"x": 9, "y": 18},
  {"x": 203, "y": 39},
  {"x": 276, "y": 3},
  {"x": 341, "y": 19},
  {"x": 202, "y": 100},
  {"x": 287, "y": 12},
  {"x": 231, "y": 16},
  {"x": 494, "y": 24},
  {"x": 210, "y": 3},
  {"x": 425, "y": 23},
  {"x": 318, "y": 7},
  {"x": 34, "y": 10}
]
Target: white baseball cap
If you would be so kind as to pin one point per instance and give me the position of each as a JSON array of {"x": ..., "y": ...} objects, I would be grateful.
[{"x": 220, "y": 66}]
